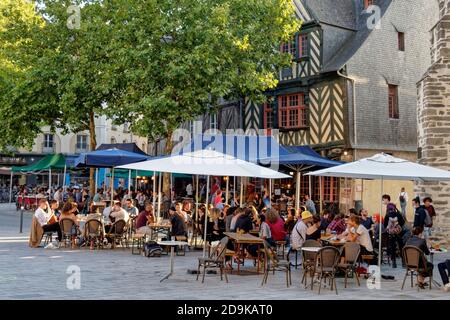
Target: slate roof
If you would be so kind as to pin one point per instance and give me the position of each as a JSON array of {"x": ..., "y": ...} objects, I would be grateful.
[{"x": 346, "y": 14}]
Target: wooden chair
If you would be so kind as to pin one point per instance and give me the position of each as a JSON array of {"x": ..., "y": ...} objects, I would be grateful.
[
  {"x": 67, "y": 226},
  {"x": 272, "y": 263},
  {"x": 215, "y": 260},
  {"x": 328, "y": 259},
  {"x": 309, "y": 261},
  {"x": 137, "y": 242},
  {"x": 416, "y": 263},
  {"x": 351, "y": 255},
  {"x": 181, "y": 250},
  {"x": 93, "y": 233},
  {"x": 48, "y": 237}
]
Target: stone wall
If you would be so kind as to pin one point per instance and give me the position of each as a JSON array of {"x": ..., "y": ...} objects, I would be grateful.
[{"x": 434, "y": 122}]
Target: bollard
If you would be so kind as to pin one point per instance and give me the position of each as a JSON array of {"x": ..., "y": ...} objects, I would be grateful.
[{"x": 21, "y": 218}]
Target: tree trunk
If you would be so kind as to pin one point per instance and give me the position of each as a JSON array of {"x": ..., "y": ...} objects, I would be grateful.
[
  {"x": 93, "y": 146},
  {"x": 166, "y": 177}
]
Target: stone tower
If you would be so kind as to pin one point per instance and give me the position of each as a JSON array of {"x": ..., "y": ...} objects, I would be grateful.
[{"x": 434, "y": 121}]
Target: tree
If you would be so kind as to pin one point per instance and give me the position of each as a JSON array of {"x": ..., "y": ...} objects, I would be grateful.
[
  {"x": 62, "y": 60},
  {"x": 180, "y": 57}
]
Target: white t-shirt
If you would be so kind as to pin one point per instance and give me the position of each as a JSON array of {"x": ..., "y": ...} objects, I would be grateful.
[
  {"x": 364, "y": 238},
  {"x": 298, "y": 236},
  {"x": 120, "y": 215},
  {"x": 264, "y": 231},
  {"x": 42, "y": 216}
]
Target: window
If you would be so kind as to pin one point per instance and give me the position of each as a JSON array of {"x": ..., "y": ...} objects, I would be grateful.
[
  {"x": 401, "y": 41},
  {"x": 113, "y": 140},
  {"x": 126, "y": 128},
  {"x": 268, "y": 114},
  {"x": 213, "y": 122},
  {"x": 368, "y": 3},
  {"x": 81, "y": 142},
  {"x": 292, "y": 111},
  {"x": 393, "y": 102},
  {"x": 48, "y": 141},
  {"x": 289, "y": 47},
  {"x": 303, "y": 45}
]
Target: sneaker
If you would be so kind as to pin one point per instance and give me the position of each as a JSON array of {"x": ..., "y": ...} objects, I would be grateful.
[
  {"x": 447, "y": 287},
  {"x": 50, "y": 246}
]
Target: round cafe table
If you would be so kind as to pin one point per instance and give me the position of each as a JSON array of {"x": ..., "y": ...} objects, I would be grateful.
[
  {"x": 432, "y": 253},
  {"x": 172, "y": 245}
]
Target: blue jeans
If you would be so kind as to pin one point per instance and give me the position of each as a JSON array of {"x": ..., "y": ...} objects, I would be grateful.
[{"x": 444, "y": 270}]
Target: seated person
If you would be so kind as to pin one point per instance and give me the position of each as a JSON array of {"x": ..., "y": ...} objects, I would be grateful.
[
  {"x": 264, "y": 233},
  {"x": 54, "y": 205},
  {"x": 417, "y": 241},
  {"x": 245, "y": 221},
  {"x": 298, "y": 236},
  {"x": 338, "y": 225},
  {"x": 46, "y": 219},
  {"x": 117, "y": 213},
  {"x": 276, "y": 225},
  {"x": 366, "y": 221},
  {"x": 144, "y": 219},
  {"x": 314, "y": 232},
  {"x": 131, "y": 208},
  {"x": 327, "y": 218},
  {"x": 178, "y": 225},
  {"x": 290, "y": 222},
  {"x": 359, "y": 234},
  {"x": 444, "y": 270}
]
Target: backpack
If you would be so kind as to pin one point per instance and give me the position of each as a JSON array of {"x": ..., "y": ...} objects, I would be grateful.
[
  {"x": 428, "y": 221},
  {"x": 402, "y": 199},
  {"x": 152, "y": 249}
]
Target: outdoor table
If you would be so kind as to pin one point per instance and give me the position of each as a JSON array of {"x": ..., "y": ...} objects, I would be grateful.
[
  {"x": 311, "y": 249},
  {"x": 159, "y": 228},
  {"x": 172, "y": 245},
  {"x": 240, "y": 239},
  {"x": 432, "y": 253}
]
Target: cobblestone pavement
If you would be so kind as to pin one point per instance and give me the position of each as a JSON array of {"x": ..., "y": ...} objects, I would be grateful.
[{"x": 117, "y": 274}]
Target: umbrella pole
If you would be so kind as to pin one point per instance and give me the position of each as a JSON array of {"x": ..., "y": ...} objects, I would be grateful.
[
  {"x": 234, "y": 188},
  {"x": 136, "y": 186},
  {"x": 159, "y": 195},
  {"x": 171, "y": 189},
  {"x": 154, "y": 190},
  {"x": 270, "y": 192},
  {"x": 380, "y": 228},
  {"x": 297, "y": 191},
  {"x": 320, "y": 194},
  {"x": 96, "y": 181},
  {"x": 242, "y": 194},
  {"x": 11, "y": 186},
  {"x": 64, "y": 178},
  {"x": 206, "y": 218},
  {"x": 196, "y": 213},
  {"x": 310, "y": 187},
  {"x": 112, "y": 187},
  {"x": 50, "y": 181},
  {"x": 227, "y": 190},
  {"x": 129, "y": 182},
  {"x": 58, "y": 175}
]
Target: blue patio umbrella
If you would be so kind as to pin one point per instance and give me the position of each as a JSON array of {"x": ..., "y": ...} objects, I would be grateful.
[{"x": 108, "y": 159}]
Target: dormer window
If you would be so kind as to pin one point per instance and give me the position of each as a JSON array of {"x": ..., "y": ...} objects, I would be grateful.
[{"x": 303, "y": 45}]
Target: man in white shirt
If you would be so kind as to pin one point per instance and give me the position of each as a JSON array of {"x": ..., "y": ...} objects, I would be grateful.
[
  {"x": 131, "y": 209},
  {"x": 58, "y": 195},
  {"x": 189, "y": 190},
  {"x": 47, "y": 219},
  {"x": 403, "y": 199},
  {"x": 118, "y": 213},
  {"x": 358, "y": 233},
  {"x": 298, "y": 236}
]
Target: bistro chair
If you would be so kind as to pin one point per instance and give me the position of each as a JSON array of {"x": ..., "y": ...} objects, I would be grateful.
[
  {"x": 309, "y": 261},
  {"x": 118, "y": 233},
  {"x": 216, "y": 259},
  {"x": 281, "y": 245},
  {"x": 67, "y": 226},
  {"x": 272, "y": 263},
  {"x": 328, "y": 259},
  {"x": 93, "y": 233},
  {"x": 416, "y": 263},
  {"x": 48, "y": 237},
  {"x": 351, "y": 254}
]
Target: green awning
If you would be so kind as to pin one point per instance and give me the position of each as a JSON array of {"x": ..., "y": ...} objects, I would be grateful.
[{"x": 52, "y": 161}]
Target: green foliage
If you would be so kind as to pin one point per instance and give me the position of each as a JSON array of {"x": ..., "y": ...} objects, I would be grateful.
[{"x": 154, "y": 63}]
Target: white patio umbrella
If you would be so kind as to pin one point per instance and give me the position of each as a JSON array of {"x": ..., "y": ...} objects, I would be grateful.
[
  {"x": 384, "y": 167},
  {"x": 207, "y": 163}
]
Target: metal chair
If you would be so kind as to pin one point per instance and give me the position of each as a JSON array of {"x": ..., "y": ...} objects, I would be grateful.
[
  {"x": 215, "y": 260},
  {"x": 93, "y": 233},
  {"x": 328, "y": 258},
  {"x": 351, "y": 254},
  {"x": 309, "y": 261},
  {"x": 272, "y": 263},
  {"x": 67, "y": 225},
  {"x": 416, "y": 263},
  {"x": 48, "y": 237},
  {"x": 118, "y": 233}
]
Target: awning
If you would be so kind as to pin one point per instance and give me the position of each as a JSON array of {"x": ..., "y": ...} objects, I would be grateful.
[
  {"x": 50, "y": 162},
  {"x": 108, "y": 158},
  {"x": 130, "y": 147}
]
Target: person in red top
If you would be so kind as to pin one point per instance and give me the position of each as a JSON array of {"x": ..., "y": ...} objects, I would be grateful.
[
  {"x": 145, "y": 218},
  {"x": 276, "y": 225}
]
